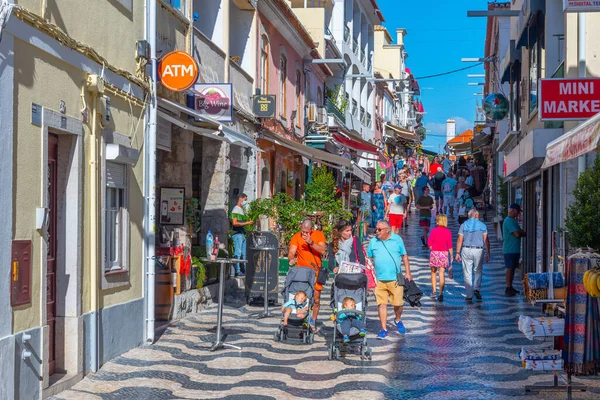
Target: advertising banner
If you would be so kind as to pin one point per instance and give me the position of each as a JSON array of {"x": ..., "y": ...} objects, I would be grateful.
[
  {"x": 581, "y": 5},
  {"x": 214, "y": 100},
  {"x": 569, "y": 99}
]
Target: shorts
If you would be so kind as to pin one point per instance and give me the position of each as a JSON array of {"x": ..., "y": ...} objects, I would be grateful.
[
  {"x": 511, "y": 260},
  {"x": 438, "y": 259},
  {"x": 438, "y": 194},
  {"x": 424, "y": 221},
  {"x": 396, "y": 220},
  {"x": 449, "y": 201},
  {"x": 391, "y": 289}
]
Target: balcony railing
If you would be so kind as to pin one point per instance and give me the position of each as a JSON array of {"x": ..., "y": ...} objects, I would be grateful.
[
  {"x": 363, "y": 57},
  {"x": 354, "y": 110},
  {"x": 369, "y": 66},
  {"x": 355, "y": 47},
  {"x": 212, "y": 65},
  {"x": 347, "y": 35},
  {"x": 242, "y": 84},
  {"x": 329, "y": 34},
  {"x": 332, "y": 108},
  {"x": 362, "y": 115},
  {"x": 369, "y": 121}
]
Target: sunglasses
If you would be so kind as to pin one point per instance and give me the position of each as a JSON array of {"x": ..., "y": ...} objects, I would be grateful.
[{"x": 380, "y": 229}]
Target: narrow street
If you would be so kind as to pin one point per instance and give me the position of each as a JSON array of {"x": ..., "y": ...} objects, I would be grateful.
[{"x": 451, "y": 351}]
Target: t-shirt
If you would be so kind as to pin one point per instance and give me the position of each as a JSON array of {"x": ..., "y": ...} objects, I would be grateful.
[
  {"x": 448, "y": 186},
  {"x": 433, "y": 168},
  {"x": 473, "y": 231},
  {"x": 447, "y": 164},
  {"x": 425, "y": 201},
  {"x": 440, "y": 239},
  {"x": 469, "y": 180},
  {"x": 405, "y": 189},
  {"x": 387, "y": 186},
  {"x": 397, "y": 203},
  {"x": 239, "y": 213},
  {"x": 294, "y": 305},
  {"x": 511, "y": 244},
  {"x": 438, "y": 178},
  {"x": 422, "y": 181},
  {"x": 365, "y": 201},
  {"x": 386, "y": 262},
  {"x": 306, "y": 255}
]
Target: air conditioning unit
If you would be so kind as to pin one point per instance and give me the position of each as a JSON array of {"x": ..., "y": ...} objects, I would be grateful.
[
  {"x": 311, "y": 112},
  {"x": 322, "y": 117}
]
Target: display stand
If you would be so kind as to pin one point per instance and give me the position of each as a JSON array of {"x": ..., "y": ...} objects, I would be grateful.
[
  {"x": 263, "y": 256},
  {"x": 555, "y": 386}
]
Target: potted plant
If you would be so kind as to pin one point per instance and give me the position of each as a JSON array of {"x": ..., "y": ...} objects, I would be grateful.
[{"x": 583, "y": 217}]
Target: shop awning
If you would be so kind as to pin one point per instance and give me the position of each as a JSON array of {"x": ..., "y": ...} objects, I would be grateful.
[
  {"x": 227, "y": 134},
  {"x": 578, "y": 141},
  {"x": 356, "y": 144},
  {"x": 480, "y": 141},
  {"x": 308, "y": 152},
  {"x": 401, "y": 132},
  {"x": 361, "y": 174}
]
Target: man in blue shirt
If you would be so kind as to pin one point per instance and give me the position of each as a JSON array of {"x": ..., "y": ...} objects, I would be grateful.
[
  {"x": 449, "y": 192},
  {"x": 447, "y": 164},
  {"x": 472, "y": 238},
  {"x": 511, "y": 247},
  {"x": 366, "y": 206},
  {"x": 421, "y": 182},
  {"x": 386, "y": 249}
]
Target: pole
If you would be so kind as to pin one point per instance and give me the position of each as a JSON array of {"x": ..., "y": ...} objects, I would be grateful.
[
  {"x": 581, "y": 161},
  {"x": 150, "y": 165}
]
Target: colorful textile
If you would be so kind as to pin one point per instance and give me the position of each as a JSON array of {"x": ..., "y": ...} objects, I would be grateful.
[
  {"x": 541, "y": 327},
  {"x": 544, "y": 365},
  {"x": 440, "y": 239},
  {"x": 541, "y": 280},
  {"x": 582, "y": 334},
  {"x": 379, "y": 203},
  {"x": 438, "y": 259},
  {"x": 539, "y": 354}
]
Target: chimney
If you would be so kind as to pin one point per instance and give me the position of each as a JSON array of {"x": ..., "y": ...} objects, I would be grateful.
[
  {"x": 450, "y": 129},
  {"x": 400, "y": 33}
]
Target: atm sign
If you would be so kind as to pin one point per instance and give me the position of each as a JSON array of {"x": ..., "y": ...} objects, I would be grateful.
[{"x": 178, "y": 71}]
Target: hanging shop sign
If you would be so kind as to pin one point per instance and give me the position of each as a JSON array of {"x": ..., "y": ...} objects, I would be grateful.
[
  {"x": 178, "y": 71},
  {"x": 581, "y": 6},
  {"x": 214, "y": 100},
  {"x": 495, "y": 106},
  {"x": 569, "y": 99},
  {"x": 172, "y": 206},
  {"x": 264, "y": 106}
]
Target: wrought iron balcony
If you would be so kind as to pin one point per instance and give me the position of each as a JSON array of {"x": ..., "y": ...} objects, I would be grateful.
[
  {"x": 332, "y": 108},
  {"x": 347, "y": 34},
  {"x": 355, "y": 47}
]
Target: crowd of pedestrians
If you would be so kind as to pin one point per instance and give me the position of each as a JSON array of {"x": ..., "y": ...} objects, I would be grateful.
[{"x": 385, "y": 209}]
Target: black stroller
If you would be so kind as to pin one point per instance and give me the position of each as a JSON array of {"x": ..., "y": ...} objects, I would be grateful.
[
  {"x": 356, "y": 287},
  {"x": 298, "y": 279}
]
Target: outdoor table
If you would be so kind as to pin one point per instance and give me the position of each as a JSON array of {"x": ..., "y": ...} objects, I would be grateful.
[{"x": 223, "y": 263}]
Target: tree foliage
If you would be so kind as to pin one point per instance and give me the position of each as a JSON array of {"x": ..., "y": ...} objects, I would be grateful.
[{"x": 583, "y": 216}]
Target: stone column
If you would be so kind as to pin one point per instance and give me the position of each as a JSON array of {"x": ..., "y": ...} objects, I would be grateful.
[
  {"x": 214, "y": 195},
  {"x": 174, "y": 168}
]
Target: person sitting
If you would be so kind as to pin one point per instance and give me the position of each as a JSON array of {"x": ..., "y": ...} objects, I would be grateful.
[
  {"x": 349, "y": 321},
  {"x": 299, "y": 305}
]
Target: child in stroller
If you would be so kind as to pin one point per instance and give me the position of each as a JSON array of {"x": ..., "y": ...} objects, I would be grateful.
[
  {"x": 349, "y": 333},
  {"x": 295, "y": 313}
]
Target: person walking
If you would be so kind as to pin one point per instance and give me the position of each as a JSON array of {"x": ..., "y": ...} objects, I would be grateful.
[
  {"x": 406, "y": 191},
  {"x": 511, "y": 247},
  {"x": 386, "y": 185},
  {"x": 386, "y": 250},
  {"x": 447, "y": 165},
  {"x": 433, "y": 168},
  {"x": 396, "y": 210},
  {"x": 440, "y": 245},
  {"x": 239, "y": 221},
  {"x": 344, "y": 246},
  {"x": 366, "y": 207},
  {"x": 379, "y": 203},
  {"x": 436, "y": 182},
  {"x": 449, "y": 192},
  {"x": 305, "y": 250},
  {"x": 472, "y": 239},
  {"x": 421, "y": 182},
  {"x": 425, "y": 205}
]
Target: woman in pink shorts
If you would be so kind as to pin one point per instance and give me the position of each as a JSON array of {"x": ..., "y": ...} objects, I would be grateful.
[{"x": 440, "y": 244}]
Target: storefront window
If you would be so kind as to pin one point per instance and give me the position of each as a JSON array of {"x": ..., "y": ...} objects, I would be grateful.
[{"x": 116, "y": 217}]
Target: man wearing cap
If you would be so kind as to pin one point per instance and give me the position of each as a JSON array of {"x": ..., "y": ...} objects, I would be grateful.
[
  {"x": 396, "y": 208},
  {"x": 472, "y": 238},
  {"x": 511, "y": 247}
]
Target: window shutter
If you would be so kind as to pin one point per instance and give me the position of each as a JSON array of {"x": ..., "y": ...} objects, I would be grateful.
[{"x": 116, "y": 175}]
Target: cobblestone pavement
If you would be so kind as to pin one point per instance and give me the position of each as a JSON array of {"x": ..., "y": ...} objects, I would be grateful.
[{"x": 451, "y": 351}]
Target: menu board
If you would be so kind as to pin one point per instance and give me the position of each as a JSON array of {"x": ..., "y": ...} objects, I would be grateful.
[{"x": 172, "y": 206}]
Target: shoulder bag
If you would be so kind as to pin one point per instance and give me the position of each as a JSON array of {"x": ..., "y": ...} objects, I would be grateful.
[{"x": 399, "y": 276}]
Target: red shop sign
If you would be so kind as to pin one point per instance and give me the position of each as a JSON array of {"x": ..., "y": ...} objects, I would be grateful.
[{"x": 569, "y": 99}]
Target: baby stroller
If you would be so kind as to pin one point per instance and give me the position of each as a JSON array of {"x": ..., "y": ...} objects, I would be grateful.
[
  {"x": 356, "y": 287},
  {"x": 298, "y": 279}
]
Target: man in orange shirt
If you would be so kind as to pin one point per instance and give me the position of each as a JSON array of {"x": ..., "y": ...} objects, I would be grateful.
[{"x": 306, "y": 249}]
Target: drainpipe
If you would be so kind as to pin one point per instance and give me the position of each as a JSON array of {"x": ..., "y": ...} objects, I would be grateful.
[
  {"x": 581, "y": 161},
  {"x": 150, "y": 166},
  {"x": 226, "y": 9},
  {"x": 93, "y": 244}
]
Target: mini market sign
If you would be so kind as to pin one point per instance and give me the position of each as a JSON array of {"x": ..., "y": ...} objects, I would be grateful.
[
  {"x": 178, "y": 71},
  {"x": 569, "y": 99}
]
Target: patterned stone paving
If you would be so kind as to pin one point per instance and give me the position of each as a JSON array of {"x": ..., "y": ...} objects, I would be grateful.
[{"x": 451, "y": 351}]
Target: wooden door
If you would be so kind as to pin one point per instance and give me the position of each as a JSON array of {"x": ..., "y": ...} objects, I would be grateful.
[{"x": 51, "y": 257}]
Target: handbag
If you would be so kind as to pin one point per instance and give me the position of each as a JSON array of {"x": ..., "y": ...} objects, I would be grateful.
[
  {"x": 370, "y": 272},
  {"x": 399, "y": 275}
]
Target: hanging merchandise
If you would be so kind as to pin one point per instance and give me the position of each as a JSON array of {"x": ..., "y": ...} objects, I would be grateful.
[{"x": 582, "y": 331}]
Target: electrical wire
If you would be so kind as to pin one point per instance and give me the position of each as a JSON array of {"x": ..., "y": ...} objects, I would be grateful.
[{"x": 449, "y": 72}]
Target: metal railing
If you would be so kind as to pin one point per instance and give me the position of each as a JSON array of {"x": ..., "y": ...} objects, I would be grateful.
[
  {"x": 354, "y": 110},
  {"x": 362, "y": 115},
  {"x": 347, "y": 34},
  {"x": 369, "y": 121},
  {"x": 363, "y": 57},
  {"x": 355, "y": 47},
  {"x": 332, "y": 108}
]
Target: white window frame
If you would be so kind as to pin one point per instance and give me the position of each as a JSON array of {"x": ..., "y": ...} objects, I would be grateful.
[{"x": 121, "y": 218}]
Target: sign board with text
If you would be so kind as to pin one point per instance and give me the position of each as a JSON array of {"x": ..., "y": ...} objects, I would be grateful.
[
  {"x": 214, "y": 100},
  {"x": 569, "y": 99},
  {"x": 581, "y": 5},
  {"x": 264, "y": 105}
]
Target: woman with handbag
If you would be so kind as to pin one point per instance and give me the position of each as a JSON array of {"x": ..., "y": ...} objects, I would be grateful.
[{"x": 345, "y": 247}]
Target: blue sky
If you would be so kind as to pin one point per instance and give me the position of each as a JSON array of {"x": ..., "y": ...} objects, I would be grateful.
[{"x": 439, "y": 35}]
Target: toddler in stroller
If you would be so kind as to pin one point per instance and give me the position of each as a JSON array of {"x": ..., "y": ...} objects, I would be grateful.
[
  {"x": 349, "y": 303},
  {"x": 298, "y": 296}
]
